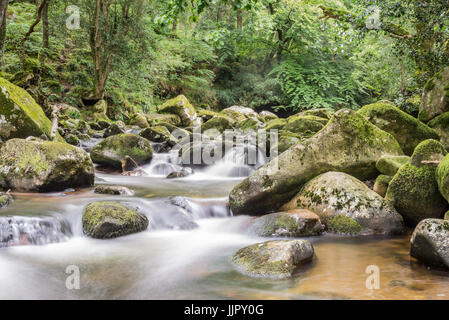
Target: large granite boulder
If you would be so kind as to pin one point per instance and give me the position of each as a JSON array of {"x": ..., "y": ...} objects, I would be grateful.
[
  {"x": 181, "y": 107},
  {"x": 349, "y": 143},
  {"x": 37, "y": 165},
  {"x": 335, "y": 193},
  {"x": 430, "y": 243},
  {"x": 407, "y": 130},
  {"x": 112, "y": 151}
]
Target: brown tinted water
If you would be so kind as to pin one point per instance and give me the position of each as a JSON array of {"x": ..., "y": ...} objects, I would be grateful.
[{"x": 164, "y": 263}]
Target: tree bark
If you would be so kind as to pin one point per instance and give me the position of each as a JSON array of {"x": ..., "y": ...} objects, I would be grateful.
[
  {"x": 31, "y": 29},
  {"x": 45, "y": 34},
  {"x": 239, "y": 19},
  {"x": 3, "y": 8}
]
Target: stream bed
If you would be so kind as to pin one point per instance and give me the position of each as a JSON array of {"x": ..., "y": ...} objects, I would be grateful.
[{"x": 187, "y": 253}]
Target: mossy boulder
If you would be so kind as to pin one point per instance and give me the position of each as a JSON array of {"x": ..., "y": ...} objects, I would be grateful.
[
  {"x": 181, "y": 107},
  {"x": 320, "y": 112},
  {"x": 442, "y": 177},
  {"x": 158, "y": 134},
  {"x": 113, "y": 150},
  {"x": 238, "y": 113},
  {"x": 5, "y": 199},
  {"x": 381, "y": 184},
  {"x": 114, "y": 190},
  {"x": 407, "y": 130},
  {"x": 72, "y": 139},
  {"x": 335, "y": 193},
  {"x": 250, "y": 124},
  {"x": 348, "y": 143},
  {"x": 342, "y": 224},
  {"x": 156, "y": 118},
  {"x": 446, "y": 216},
  {"x": 273, "y": 259},
  {"x": 100, "y": 111},
  {"x": 414, "y": 189},
  {"x": 220, "y": 123},
  {"x": 114, "y": 129},
  {"x": 441, "y": 125},
  {"x": 430, "y": 243},
  {"x": 37, "y": 165},
  {"x": 206, "y": 115},
  {"x": 430, "y": 151},
  {"x": 286, "y": 140},
  {"x": 435, "y": 99},
  {"x": 389, "y": 165},
  {"x": 106, "y": 220},
  {"x": 139, "y": 120},
  {"x": 266, "y": 116},
  {"x": 276, "y": 124},
  {"x": 20, "y": 115},
  {"x": 305, "y": 125},
  {"x": 294, "y": 223}
]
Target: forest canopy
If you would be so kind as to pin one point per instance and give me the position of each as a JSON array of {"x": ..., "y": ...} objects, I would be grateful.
[{"x": 278, "y": 55}]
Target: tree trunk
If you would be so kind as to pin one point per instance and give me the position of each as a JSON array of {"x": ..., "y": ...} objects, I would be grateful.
[
  {"x": 239, "y": 19},
  {"x": 45, "y": 33},
  {"x": 3, "y": 8},
  {"x": 101, "y": 55},
  {"x": 31, "y": 29}
]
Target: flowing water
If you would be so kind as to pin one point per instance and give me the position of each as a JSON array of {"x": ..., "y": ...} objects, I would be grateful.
[{"x": 187, "y": 252}]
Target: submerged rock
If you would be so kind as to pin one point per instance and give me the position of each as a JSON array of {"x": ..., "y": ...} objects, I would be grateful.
[
  {"x": 114, "y": 190},
  {"x": 106, "y": 220},
  {"x": 37, "y": 165},
  {"x": 294, "y": 223},
  {"x": 407, "y": 130},
  {"x": 184, "y": 172},
  {"x": 430, "y": 242},
  {"x": 181, "y": 107},
  {"x": 273, "y": 259},
  {"x": 113, "y": 150},
  {"x": 435, "y": 97},
  {"x": 414, "y": 189},
  {"x": 20, "y": 115},
  {"x": 335, "y": 193},
  {"x": 348, "y": 143}
]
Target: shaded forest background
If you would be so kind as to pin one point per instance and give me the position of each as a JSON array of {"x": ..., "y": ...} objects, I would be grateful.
[{"x": 278, "y": 55}]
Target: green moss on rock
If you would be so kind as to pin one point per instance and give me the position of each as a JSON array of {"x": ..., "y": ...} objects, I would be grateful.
[
  {"x": 24, "y": 116},
  {"x": 37, "y": 165},
  {"x": 273, "y": 259},
  {"x": 344, "y": 225},
  {"x": 407, "y": 130},
  {"x": 428, "y": 150},
  {"x": 113, "y": 150},
  {"x": 181, "y": 107},
  {"x": 348, "y": 143},
  {"x": 106, "y": 220},
  {"x": 389, "y": 165}
]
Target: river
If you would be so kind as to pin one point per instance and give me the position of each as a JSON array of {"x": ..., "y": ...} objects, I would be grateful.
[{"x": 186, "y": 254}]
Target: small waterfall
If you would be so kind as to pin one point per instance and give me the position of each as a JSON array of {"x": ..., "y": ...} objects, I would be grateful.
[
  {"x": 15, "y": 231},
  {"x": 162, "y": 164}
]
